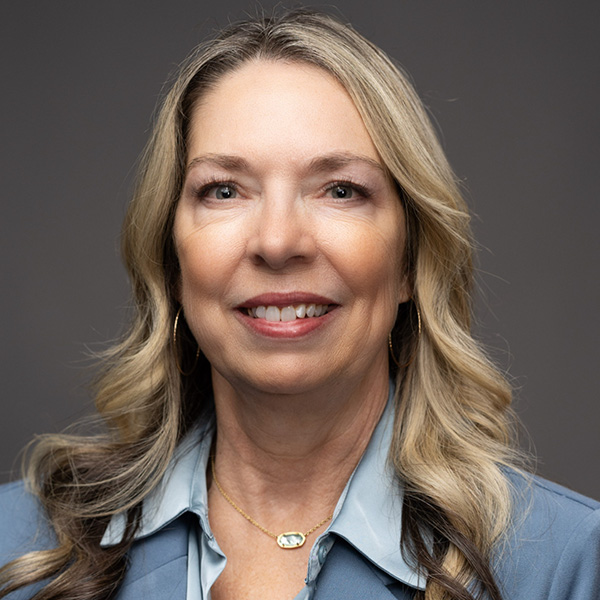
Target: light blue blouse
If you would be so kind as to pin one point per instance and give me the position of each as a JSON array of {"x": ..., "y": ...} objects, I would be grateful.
[{"x": 371, "y": 498}]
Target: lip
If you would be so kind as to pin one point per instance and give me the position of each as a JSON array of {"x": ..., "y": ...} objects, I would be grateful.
[{"x": 285, "y": 329}]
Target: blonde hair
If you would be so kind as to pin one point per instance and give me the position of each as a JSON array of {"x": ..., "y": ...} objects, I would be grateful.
[{"x": 452, "y": 433}]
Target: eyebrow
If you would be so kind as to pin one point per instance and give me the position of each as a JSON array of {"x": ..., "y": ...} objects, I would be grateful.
[
  {"x": 336, "y": 160},
  {"x": 319, "y": 164},
  {"x": 231, "y": 163}
]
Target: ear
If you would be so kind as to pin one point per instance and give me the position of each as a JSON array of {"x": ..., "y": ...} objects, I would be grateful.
[
  {"x": 405, "y": 292},
  {"x": 405, "y": 288}
]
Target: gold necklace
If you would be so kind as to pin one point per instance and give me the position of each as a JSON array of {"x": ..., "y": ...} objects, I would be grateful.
[{"x": 287, "y": 540}]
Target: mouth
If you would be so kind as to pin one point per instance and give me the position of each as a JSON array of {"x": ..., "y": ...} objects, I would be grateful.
[
  {"x": 288, "y": 313},
  {"x": 287, "y": 307}
]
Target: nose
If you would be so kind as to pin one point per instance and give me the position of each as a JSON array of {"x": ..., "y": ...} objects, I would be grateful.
[{"x": 282, "y": 232}]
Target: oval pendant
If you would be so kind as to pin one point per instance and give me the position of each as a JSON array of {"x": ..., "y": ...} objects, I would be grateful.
[{"x": 291, "y": 539}]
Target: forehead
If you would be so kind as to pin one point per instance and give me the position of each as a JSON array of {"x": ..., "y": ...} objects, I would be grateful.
[{"x": 288, "y": 108}]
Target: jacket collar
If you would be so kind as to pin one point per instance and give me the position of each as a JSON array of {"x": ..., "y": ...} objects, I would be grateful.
[
  {"x": 347, "y": 576},
  {"x": 158, "y": 564}
]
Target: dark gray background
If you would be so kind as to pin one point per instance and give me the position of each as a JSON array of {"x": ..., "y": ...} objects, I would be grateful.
[{"x": 513, "y": 86}]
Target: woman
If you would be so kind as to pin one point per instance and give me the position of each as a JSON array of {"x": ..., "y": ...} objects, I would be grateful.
[{"x": 299, "y": 410}]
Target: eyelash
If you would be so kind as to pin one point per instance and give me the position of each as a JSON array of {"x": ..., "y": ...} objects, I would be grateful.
[
  {"x": 202, "y": 191},
  {"x": 361, "y": 190}
]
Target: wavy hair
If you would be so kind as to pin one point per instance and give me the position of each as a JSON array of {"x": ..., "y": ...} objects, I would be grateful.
[{"x": 452, "y": 431}]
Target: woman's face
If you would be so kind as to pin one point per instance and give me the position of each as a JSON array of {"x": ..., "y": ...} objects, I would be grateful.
[{"x": 286, "y": 212}]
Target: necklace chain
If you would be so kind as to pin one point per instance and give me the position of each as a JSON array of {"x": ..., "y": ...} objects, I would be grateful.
[{"x": 250, "y": 519}]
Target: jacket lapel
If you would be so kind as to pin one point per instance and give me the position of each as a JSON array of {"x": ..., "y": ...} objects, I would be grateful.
[
  {"x": 158, "y": 569},
  {"x": 346, "y": 575},
  {"x": 158, "y": 565}
]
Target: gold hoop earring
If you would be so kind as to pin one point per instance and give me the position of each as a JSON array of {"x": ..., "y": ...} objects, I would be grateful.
[
  {"x": 391, "y": 347},
  {"x": 184, "y": 373}
]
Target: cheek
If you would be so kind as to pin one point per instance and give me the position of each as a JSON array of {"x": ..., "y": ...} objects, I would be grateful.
[
  {"x": 369, "y": 258},
  {"x": 205, "y": 275},
  {"x": 206, "y": 264},
  {"x": 379, "y": 262}
]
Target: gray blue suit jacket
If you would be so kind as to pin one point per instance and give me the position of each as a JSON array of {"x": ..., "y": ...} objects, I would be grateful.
[{"x": 552, "y": 553}]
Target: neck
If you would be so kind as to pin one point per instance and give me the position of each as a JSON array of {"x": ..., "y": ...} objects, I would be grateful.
[{"x": 286, "y": 456}]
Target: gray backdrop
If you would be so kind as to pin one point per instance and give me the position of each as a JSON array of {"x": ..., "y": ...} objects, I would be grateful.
[{"x": 513, "y": 86}]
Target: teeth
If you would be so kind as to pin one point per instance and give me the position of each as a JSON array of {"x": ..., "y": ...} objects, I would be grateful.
[
  {"x": 288, "y": 313},
  {"x": 273, "y": 314}
]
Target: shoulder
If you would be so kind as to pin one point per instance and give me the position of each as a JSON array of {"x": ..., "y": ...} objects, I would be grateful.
[
  {"x": 542, "y": 508},
  {"x": 23, "y": 524},
  {"x": 552, "y": 551}
]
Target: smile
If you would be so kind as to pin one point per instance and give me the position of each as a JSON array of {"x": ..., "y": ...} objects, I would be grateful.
[{"x": 288, "y": 313}]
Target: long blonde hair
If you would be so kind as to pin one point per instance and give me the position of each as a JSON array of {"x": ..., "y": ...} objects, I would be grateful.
[{"x": 452, "y": 433}]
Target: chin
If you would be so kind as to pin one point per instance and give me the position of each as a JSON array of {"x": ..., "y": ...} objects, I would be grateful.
[
  {"x": 292, "y": 380},
  {"x": 280, "y": 387}
]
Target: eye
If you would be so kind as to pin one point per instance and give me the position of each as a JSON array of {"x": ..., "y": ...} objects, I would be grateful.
[
  {"x": 347, "y": 190},
  {"x": 342, "y": 192},
  {"x": 222, "y": 192},
  {"x": 215, "y": 190}
]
